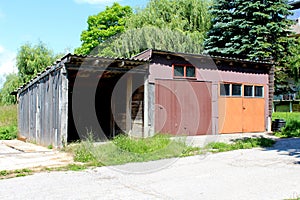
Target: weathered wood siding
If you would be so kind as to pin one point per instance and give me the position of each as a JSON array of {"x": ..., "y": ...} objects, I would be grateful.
[{"x": 42, "y": 110}]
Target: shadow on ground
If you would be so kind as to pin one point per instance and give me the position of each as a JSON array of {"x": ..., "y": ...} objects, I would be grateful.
[{"x": 287, "y": 147}]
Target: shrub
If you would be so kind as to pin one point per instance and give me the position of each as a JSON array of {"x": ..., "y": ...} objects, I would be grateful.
[
  {"x": 8, "y": 132},
  {"x": 292, "y": 129}
]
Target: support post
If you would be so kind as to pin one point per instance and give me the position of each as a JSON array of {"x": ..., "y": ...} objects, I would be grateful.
[
  {"x": 63, "y": 108},
  {"x": 146, "y": 107},
  {"x": 128, "y": 103}
]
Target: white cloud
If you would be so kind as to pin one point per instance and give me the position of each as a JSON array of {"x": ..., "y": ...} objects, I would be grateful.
[
  {"x": 7, "y": 63},
  {"x": 94, "y": 2}
]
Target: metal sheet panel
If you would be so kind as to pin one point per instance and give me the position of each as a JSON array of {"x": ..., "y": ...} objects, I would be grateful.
[{"x": 183, "y": 107}]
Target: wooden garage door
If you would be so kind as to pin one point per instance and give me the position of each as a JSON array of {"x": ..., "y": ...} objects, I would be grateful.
[
  {"x": 183, "y": 107},
  {"x": 242, "y": 113}
]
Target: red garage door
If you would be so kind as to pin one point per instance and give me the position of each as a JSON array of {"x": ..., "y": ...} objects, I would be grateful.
[{"x": 183, "y": 107}]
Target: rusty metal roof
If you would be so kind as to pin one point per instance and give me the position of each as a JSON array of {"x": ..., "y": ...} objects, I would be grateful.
[
  {"x": 150, "y": 52},
  {"x": 81, "y": 60}
]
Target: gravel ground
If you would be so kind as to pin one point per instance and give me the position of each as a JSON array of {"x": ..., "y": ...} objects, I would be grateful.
[{"x": 243, "y": 174}]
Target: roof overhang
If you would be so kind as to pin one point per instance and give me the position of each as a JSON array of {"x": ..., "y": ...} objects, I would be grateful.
[{"x": 90, "y": 64}]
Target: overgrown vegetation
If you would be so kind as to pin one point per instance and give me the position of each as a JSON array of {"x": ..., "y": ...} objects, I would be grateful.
[
  {"x": 292, "y": 128},
  {"x": 8, "y": 122},
  {"x": 245, "y": 143},
  {"x": 124, "y": 149}
]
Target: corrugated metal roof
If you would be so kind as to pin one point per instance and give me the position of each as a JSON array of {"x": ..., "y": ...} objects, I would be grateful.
[
  {"x": 100, "y": 57},
  {"x": 68, "y": 59},
  {"x": 213, "y": 57}
]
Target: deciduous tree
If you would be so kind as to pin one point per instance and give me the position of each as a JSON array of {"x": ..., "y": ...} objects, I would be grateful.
[
  {"x": 103, "y": 26},
  {"x": 32, "y": 59}
]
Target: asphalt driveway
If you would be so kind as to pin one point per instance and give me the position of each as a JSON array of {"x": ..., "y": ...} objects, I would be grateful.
[{"x": 272, "y": 173}]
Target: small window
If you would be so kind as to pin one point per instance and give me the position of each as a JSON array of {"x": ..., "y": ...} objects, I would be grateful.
[
  {"x": 184, "y": 71},
  {"x": 225, "y": 89},
  {"x": 190, "y": 71},
  {"x": 236, "y": 90},
  {"x": 178, "y": 70},
  {"x": 248, "y": 91},
  {"x": 259, "y": 91}
]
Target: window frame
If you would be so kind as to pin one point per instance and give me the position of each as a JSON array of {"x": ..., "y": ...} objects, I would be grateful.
[
  {"x": 252, "y": 91},
  {"x": 241, "y": 90},
  {"x": 242, "y": 85},
  {"x": 262, "y": 91},
  {"x": 184, "y": 71},
  {"x": 223, "y": 85}
]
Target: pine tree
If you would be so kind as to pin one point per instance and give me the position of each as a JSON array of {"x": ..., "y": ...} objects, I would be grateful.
[{"x": 249, "y": 29}]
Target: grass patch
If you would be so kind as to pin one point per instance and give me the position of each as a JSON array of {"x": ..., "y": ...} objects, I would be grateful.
[
  {"x": 8, "y": 132},
  {"x": 123, "y": 150},
  {"x": 245, "y": 143},
  {"x": 292, "y": 128},
  {"x": 287, "y": 116},
  {"x": 8, "y": 115},
  {"x": 4, "y": 174},
  {"x": 8, "y": 122}
]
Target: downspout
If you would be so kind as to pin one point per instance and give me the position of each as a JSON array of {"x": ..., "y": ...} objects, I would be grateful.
[{"x": 271, "y": 97}]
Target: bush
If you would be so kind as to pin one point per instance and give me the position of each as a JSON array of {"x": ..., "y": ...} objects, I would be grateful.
[
  {"x": 292, "y": 129},
  {"x": 8, "y": 132}
]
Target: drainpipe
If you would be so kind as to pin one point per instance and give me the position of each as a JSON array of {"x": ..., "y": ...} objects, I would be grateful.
[{"x": 271, "y": 97}]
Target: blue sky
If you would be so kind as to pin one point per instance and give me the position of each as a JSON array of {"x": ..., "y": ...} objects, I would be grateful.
[{"x": 58, "y": 23}]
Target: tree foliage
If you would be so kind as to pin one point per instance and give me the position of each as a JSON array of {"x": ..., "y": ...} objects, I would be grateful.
[
  {"x": 183, "y": 15},
  {"x": 103, "y": 26},
  {"x": 175, "y": 25},
  {"x": 12, "y": 83},
  {"x": 136, "y": 40},
  {"x": 249, "y": 29},
  {"x": 32, "y": 60}
]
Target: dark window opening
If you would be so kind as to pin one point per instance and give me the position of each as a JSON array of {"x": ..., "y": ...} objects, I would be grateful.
[
  {"x": 190, "y": 71},
  {"x": 184, "y": 71},
  {"x": 248, "y": 91},
  {"x": 178, "y": 70},
  {"x": 236, "y": 90},
  {"x": 259, "y": 91},
  {"x": 225, "y": 89}
]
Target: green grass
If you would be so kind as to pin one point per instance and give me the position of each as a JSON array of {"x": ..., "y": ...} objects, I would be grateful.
[
  {"x": 245, "y": 143},
  {"x": 8, "y": 122},
  {"x": 292, "y": 128},
  {"x": 8, "y": 132},
  {"x": 123, "y": 150},
  {"x": 4, "y": 174},
  {"x": 8, "y": 115},
  {"x": 287, "y": 116}
]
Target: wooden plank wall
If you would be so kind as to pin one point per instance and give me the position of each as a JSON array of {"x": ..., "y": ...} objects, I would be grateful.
[{"x": 40, "y": 112}]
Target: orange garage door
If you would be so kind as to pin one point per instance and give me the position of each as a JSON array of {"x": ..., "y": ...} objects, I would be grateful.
[{"x": 241, "y": 112}]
